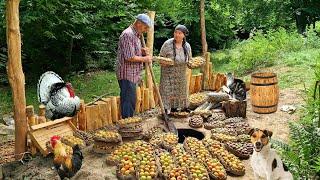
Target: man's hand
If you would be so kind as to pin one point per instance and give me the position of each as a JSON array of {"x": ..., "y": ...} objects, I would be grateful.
[
  {"x": 147, "y": 59},
  {"x": 145, "y": 51}
]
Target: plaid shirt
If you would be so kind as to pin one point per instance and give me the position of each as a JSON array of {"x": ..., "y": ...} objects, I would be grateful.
[{"x": 129, "y": 46}]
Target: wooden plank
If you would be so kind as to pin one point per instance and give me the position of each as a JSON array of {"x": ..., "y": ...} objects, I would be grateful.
[
  {"x": 109, "y": 112},
  {"x": 192, "y": 84},
  {"x": 49, "y": 123},
  {"x": 50, "y": 129},
  {"x": 92, "y": 115}
]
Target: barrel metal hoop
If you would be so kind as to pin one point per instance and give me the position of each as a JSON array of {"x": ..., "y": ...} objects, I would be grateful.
[
  {"x": 265, "y": 106},
  {"x": 267, "y": 84},
  {"x": 263, "y": 77}
]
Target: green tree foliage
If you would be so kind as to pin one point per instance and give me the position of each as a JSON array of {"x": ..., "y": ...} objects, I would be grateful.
[{"x": 72, "y": 35}]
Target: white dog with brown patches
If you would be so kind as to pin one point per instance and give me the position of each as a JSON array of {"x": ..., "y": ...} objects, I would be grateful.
[{"x": 265, "y": 161}]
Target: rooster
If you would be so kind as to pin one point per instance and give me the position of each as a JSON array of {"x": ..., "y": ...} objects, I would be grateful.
[
  {"x": 66, "y": 165},
  {"x": 57, "y": 95}
]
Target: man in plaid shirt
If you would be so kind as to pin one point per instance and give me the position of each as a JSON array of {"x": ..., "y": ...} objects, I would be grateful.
[{"x": 130, "y": 59}]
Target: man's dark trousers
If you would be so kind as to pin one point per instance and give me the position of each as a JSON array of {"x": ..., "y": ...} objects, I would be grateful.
[{"x": 127, "y": 97}]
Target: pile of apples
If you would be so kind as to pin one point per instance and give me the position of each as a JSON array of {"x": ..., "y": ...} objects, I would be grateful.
[
  {"x": 147, "y": 168},
  {"x": 107, "y": 134},
  {"x": 178, "y": 173},
  {"x": 183, "y": 158},
  {"x": 198, "y": 171},
  {"x": 197, "y": 149},
  {"x": 170, "y": 140},
  {"x": 129, "y": 120},
  {"x": 223, "y": 137},
  {"x": 216, "y": 168},
  {"x": 72, "y": 141},
  {"x": 166, "y": 162}
]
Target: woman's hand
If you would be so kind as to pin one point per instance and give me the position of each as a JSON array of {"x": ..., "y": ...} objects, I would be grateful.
[{"x": 164, "y": 64}]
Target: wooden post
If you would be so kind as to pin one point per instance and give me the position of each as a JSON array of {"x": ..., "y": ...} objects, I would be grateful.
[
  {"x": 16, "y": 76},
  {"x": 114, "y": 109},
  {"x": 42, "y": 112},
  {"x": 149, "y": 44},
  {"x": 235, "y": 108},
  {"x": 109, "y": 111},
  {"x": 198, "y": 82},
  {"x": 82, "y": 116},
  {"x": 31, "y": 121},
  {"x": 146, "y": 99},
  {"x": 119, "y": 107},
  {"x": 92, "y": 116},
  {"x": 203, "y": 41},
  {"x": 210, "y": 76},
  {"x": 192, "y": 84},
  {"x": 103, "y": 113},
  {"x": 206, "y": 72}
]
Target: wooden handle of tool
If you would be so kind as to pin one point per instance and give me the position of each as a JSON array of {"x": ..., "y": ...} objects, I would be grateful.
[{"x": 148, "y": 65}]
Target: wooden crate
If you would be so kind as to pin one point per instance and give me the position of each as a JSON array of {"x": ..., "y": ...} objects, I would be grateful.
[{"x": 40, "y": 134}]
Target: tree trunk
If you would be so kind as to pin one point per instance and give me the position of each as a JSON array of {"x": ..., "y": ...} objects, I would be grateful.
[
  {"x": 16, "y": 76},
  {"x": 235, "y": 108},
  {"x": 203, "y": 41}
]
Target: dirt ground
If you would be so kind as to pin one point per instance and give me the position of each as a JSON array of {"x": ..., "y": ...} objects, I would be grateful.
[{"x": 94, "y": 166}]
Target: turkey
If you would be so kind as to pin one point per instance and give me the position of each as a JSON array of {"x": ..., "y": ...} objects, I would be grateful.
[
  {"x": 236, "y": 88},
  {"x": 57, "y": 95}
]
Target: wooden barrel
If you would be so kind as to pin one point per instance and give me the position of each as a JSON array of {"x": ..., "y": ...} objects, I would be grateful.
[{"x": 264, "y": 92}]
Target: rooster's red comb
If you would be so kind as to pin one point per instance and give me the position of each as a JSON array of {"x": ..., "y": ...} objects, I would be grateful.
[{"x": 54, "y": 138}]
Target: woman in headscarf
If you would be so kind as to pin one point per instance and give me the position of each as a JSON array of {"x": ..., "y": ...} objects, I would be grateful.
[{"x": 173, "y": 82}]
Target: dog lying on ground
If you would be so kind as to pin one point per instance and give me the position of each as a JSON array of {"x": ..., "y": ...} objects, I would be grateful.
[{"x": 265, "y": 161}]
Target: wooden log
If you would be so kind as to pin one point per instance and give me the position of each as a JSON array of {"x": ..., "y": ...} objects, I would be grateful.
[
  {"x": 192, "y": 84},
  {"x": 138, "y": 100},
  {"x": 188, "y": 77},
  {"x": 151, "y": 99},
  {"x": 210, "y": 76},
  {"x": 109, "y": 111},
  {"x": 16, "y": 76},
  {"x": 31, "y": 118},
  {"x": 220, "y": 80},
  {"x": 213, "y": 77},
  {"x": 198, "y": 82},
  {"x": 114, "y": 109},
  {"x": 206, "y": 73},
  {"x": 119, "y": 107},
  {"x": 146, "y": 99},
  {"x": 103, "y": 113},
  {"x": 82, "y": 121},
  {"x": 42, "y": 112},
  {"x": 92, "y": 115},
  {"x": 234, "y": 108}
]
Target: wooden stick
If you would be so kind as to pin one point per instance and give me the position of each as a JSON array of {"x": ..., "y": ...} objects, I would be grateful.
[
  {"x": 150, "y": 39},
  {"x": 97, "y": 99}
]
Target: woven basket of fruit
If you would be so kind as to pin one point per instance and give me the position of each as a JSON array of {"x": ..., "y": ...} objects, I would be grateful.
[
  {"x": 244, "y": 138},
  {"x": 104, "y": 149},
  {"x": 147, "y": 167},
  {"x": 72, "y": 141},
  {"x": 232, "y": 164},
  {"x": 198, "y": 171},
  {"x": 241, "y": 150},
  {"x": 126, "y": 171},
  {"x": 129, "y": 122},
  {"x": 112, "y": 161},
  {"x": 229, "y": 131},
  {"x": 234, "y": 120},
  {"x": 215, "y": 169},
  {"x": 196, "y": 62},
  {"x": 241, "y": 127},
  {"x": 156, "y": 140},
  {"x": 169, "y": 141},
  {"x": 163, "y": 60},
  {"x": 87, "y": 137},
  {"x": 197, "y": 99},
  {"x": 165, "y": 163},
  {"x": 196, "y": 121},
  {"x": 223, "y": 137},
  {"x": 107, "y": 136},
  {"x": 152, "y": 132},
  {"x": 217, "y": 116},
  {"x": 180, "y": 114},
  {"x": 214, "y": 124}
]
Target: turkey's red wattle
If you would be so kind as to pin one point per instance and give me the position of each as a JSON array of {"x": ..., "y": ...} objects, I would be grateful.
[{"x": 70, "y": 90}]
